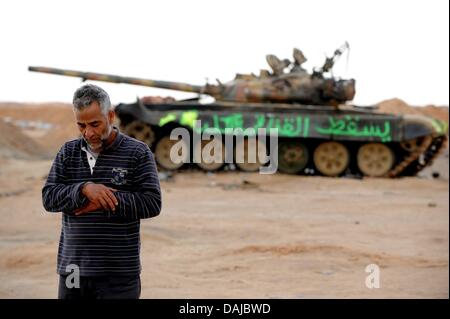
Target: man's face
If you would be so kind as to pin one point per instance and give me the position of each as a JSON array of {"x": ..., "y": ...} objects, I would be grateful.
[{"x": 94, "y": 126}]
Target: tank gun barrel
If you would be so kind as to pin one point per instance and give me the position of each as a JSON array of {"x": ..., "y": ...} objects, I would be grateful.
[{"x": 208, "y": 89}]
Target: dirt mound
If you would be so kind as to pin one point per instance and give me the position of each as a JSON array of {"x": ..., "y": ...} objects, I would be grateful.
[
  {"x": 397, "y": 106},
  {"x": 437, "y": 112},
  {"x": 14, "y": 143},
  {"x": 49, "y": 124}
]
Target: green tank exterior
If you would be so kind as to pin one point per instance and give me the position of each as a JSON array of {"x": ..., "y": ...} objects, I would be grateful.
[{"x": 317, "y": 132}]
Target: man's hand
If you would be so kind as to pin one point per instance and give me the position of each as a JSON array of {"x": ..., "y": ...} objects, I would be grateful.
[
  {"x": 90, "y": 207},
  {"x": 100, "y": 195}
]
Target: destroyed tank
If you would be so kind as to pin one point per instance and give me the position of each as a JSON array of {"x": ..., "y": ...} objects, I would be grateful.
[{"x": 319, "y": 132}]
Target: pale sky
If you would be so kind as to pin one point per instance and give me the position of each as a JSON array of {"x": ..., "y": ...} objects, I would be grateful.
[{"x": 398, "y": 48}]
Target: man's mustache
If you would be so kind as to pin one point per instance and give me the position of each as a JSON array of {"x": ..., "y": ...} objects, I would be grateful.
[{"x": 103, "y": 140}]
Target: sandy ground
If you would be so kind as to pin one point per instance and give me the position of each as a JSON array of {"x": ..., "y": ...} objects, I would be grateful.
[{"x": 237, "y": 235}]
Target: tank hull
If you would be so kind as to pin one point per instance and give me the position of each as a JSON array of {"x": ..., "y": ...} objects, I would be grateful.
[{"x": 304, "y": 129}]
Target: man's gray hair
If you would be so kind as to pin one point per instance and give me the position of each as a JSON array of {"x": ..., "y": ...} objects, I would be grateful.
[{"x": 88, "y": 93}]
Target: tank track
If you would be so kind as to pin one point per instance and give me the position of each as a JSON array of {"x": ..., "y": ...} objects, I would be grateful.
[
  {"x": 436, "y": 148},
  {"x": 422, "y": 157}
]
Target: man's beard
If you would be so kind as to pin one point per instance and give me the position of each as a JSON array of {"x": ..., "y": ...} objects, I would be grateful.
[{"x": 103, "y": 140}]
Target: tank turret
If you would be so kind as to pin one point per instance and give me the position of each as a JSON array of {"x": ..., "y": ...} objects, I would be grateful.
[{"x": 288, "y": 82}]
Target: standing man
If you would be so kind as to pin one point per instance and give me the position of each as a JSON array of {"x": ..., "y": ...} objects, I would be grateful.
[{"x": 104, "y": 183}]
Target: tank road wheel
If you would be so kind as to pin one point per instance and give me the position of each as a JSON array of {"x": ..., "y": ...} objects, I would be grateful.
[
  {"x": 292, "y": 157},
  {"x": 331, "y": 158},
  {"x": 249, "y": 162},
  {"x": 212, "y": 161},
  {"x": 140, "y": 131},
  {"x": 375, "y": 159},
  {"x": 412, "y": 145},
  {"x": 162, "y": 153}
]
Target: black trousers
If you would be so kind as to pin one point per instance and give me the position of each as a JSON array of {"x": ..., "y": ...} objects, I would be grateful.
[{"x": 102, "y": 287}]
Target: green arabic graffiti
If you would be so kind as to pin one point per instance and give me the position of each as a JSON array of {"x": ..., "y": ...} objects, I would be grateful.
[
  {"x": 287, "y": 126},
  {"x": 171, "y": 117},
  {"x": 222, "y": 123},
  {"x": 441, "y": 127},
  {"x": 348, "y": 126},
  {"x": 188, "y": 118},
  {"x": 290, "y": 126}
]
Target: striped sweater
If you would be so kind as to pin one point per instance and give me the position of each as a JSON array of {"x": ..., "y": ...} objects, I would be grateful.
[{"x": 103, "y": 242}]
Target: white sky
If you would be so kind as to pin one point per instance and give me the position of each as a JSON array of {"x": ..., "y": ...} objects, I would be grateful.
[{"x": 398, "y": 48}]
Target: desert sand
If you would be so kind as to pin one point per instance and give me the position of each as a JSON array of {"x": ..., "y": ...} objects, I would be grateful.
[{"x": 237, "y": 235}]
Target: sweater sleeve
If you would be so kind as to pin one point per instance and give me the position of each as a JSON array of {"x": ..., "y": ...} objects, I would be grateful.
[
  {"x": 145, "y": 202},
  {"x": 57, "y": 194}
]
